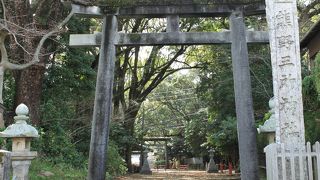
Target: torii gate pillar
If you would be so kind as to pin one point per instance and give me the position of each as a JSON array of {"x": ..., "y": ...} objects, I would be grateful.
[
  {"x": 243, "y": 97},
  {"x": 103, "y": 100}
]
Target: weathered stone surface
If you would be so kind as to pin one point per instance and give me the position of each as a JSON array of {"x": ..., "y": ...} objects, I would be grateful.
[
  {"x": 20, "y": 128},
  {"x": 269, "y": 125},
  {"x": 145, "y": 167},
  {"x": 46, "y": 173},
  {"x": 285, "y": 56},
  {"x": 5, "y": 165},
  {"x": 199, "y": 10},
  {"x": 21, "y": 134},
  {"x": 168, "y": 38},
  {"x": 212, "y": 167},
  {"x": 243, "y": 97},
  {"x": 103, "y": 101},
  {"x": 20, "y": 170}
]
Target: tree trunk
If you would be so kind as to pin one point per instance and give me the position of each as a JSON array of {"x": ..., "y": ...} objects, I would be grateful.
[
  {"x": 130, "y": 116},
  {"x": 29, "y": 89},
  {"x": 30, "y": 22}
]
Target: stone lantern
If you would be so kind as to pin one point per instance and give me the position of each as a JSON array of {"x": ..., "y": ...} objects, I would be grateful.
[
  {"x": 269, "y": 126},
  {"x": 145, "y": 167},
  {"x": 21, "y": 134},
  {"x": 212, "y": 167}
]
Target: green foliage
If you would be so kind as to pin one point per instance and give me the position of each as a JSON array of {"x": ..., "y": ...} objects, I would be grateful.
[
  {"x": 173, "y": 109},
  {"x": 160, "y": 162},
  {"x": 54, "y": 141},
  {"x": 224, "y": 136},
  {"x": 195, "y": 135},
  {"x": 309, "y": 92},
  {"x": 316, "y": 74},
  {"x": 312, "y": 125},
  {"x": 66, "y": 104},
  {"x": 120, "y": 136},
  {"x": 8, "y": 91},
  {"x": 60, "y": 171},
  {"x": 115, "y": 163},
  {"x": 311, "y": 102}
]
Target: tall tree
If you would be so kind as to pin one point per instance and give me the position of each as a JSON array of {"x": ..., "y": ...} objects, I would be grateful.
[
  {"x": 138, "y": 73},
  {"x": 28, "y": 24}
]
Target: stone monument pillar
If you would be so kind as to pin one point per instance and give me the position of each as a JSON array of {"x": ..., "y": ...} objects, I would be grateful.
[
  {"x": 145, "y": 167},
  {"x": 212, "y": 167},
  {"x": 21, "y": 134},
  {"x": 286, "y": 69}
]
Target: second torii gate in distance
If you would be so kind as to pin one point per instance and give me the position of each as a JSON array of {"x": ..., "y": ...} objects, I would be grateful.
[{"x": 237, "y": 36}]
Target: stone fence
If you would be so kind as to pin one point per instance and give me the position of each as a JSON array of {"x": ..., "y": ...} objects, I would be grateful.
[{"x": 292, "y": 163}]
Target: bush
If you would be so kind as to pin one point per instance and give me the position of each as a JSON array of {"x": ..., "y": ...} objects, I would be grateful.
[
  {"x": 56, "y": 146},
  {"x": 116, "y": 166}
]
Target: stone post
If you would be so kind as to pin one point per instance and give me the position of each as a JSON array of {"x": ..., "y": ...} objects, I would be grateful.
[
  {"x": 282, "y": 17},
  {"x": 103, "y": 101},
  {"x": 212, "y": 167},
  {"x": 21, "y": 134},
  {"x": 286, "y": 69},
  {"x": 5, "y": 165},
  {"x": 2, "y": 111},
  {"x": 145, "y": 168},
  {"x": 243, "y": 96}
]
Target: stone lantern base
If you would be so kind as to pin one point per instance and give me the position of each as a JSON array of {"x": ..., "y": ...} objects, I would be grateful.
[
  {"x": 212, "y": 167},
  {"x": 21, "y": 162}
]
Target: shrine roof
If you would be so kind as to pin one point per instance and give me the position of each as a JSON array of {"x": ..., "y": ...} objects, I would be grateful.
[{"x": 310, "y": 35}]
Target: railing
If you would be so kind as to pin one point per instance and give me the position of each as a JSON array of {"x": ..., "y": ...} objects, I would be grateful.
[{"x": 293, "y": 162}]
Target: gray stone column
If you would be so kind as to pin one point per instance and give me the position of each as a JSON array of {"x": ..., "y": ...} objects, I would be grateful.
[
  {"x": 286, "y": 70},
  {"x": 243, "y": 96},
  {"x": 103, "y": 101},
  {"x": 5, "y": 165}
]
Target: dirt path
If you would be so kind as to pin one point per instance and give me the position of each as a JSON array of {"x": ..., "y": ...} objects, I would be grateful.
[{"x": 180, "y": 175}]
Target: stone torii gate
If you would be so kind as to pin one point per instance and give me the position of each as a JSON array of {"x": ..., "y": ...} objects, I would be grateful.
[{"x": 237, "y": 36}]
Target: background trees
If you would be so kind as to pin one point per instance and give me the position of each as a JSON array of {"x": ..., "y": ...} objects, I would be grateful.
[{"x": 196, "y": 107}]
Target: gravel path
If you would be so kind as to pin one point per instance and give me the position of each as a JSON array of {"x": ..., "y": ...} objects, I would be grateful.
[{"x": 180, "y": 175}]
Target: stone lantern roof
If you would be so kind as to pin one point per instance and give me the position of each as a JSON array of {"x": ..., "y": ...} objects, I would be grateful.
[{"x": 20, "y": 128}]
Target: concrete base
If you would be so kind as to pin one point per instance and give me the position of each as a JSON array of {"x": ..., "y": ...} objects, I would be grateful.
[
  {"x": 21, "y": 162},
  {"x": 21, "y": 169}
]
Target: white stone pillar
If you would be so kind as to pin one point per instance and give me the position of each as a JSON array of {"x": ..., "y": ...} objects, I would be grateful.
[{"x": 286, "y": 69}]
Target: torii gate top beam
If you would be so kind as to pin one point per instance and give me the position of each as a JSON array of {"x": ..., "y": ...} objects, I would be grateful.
[{"x": 162, "y": 11}]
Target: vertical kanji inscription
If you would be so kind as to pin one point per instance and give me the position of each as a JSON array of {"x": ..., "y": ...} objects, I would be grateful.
[{"x": 286, "y": 69}]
